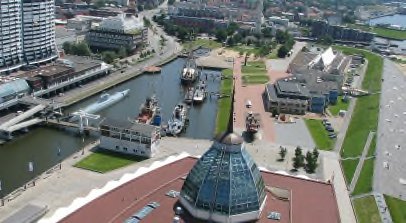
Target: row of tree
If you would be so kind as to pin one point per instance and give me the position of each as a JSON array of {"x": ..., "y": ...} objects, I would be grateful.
[
  {"x": 308, "y": 161},
  {"x": 287, "y": 41}
]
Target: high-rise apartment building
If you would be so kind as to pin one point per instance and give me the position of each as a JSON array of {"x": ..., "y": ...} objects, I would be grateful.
[{"x": 27, "y": 33}]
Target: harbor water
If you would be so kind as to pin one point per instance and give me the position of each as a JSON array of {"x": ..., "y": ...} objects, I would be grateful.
[
  {"x": 45, "y": 147},
  {"x": 397, "y": 19}
]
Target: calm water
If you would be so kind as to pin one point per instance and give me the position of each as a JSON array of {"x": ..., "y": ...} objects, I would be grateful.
[
  {"x": 40, "y": 144},
  {"x": 396, "y": 19}
]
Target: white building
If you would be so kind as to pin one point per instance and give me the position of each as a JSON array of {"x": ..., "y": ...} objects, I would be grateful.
[
  {"x": 130, "y": 138},
  {"x": 27, "y": 33}
]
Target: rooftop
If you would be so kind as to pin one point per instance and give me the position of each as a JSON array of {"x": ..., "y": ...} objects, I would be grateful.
[
  {"x": 47, "y": 71},
  {"x": 296, "y": 199},
  {"x": 125, "y": 124}
]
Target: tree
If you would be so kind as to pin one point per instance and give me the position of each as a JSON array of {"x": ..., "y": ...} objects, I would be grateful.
[
  {"x": 122, "y": 52},
  {"x": 67, "y": 47},
  {"x": 282, "y": 152},
  {"x": 232, "y": 27},
  {"x": 325, "y": 40},
  {"x": 298, "y": 161},
  {"x": 283, "y": 51},
  {"x": 81, "y": 49},
  {"x": 109, "y": 56},
  {"x": 298, "y": 151},
  {"x": 281, "y": 37},
  {"x": 311, "y": 162},
  {"x": 221, "y": 35},
  {"x": 315, "y": 153}
]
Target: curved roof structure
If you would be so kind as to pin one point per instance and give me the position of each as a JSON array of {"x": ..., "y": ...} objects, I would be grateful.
[
  {"x": 12, "y": 87},
  {"x": 225, "y": 185}
]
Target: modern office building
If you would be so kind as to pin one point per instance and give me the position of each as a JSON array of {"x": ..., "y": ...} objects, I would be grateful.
[
  {"x": 27, "y": 33},
  {"x": 123, "y": 31}
]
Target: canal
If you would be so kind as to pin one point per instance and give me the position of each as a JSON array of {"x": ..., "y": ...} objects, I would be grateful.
[{"x": 41, "y": 145}]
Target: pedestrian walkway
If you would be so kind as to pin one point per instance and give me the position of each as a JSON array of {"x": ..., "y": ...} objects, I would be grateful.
[
  {"x": 383, "y": 208},
  {"x": 361, "y": 161}
]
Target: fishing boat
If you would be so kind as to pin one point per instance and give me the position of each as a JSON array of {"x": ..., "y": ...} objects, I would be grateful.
[
  {"x": 104, "y": 101},
  {"x": 189, "y": 95},
  {"x": 252, "y": 122},
  {"x": 200, "y": 92},
  {"x": 178, "y": 121},
  {"x": 190, "y": 72},
  {"x": 147, "y": 110}
]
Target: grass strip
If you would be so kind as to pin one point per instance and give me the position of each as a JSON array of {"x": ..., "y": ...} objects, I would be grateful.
[
  {"x": 397, "y": 209},
  {"x": 364, "y": 183},
  {"x": 224, "y": 103},
  {"x": 319, "y": 134},
  {"x": 349, "y": 167},
  {"x": 365, "y": 115},
  {"x": 103, "y": 161},
  {"x": 366, "y": 210}
]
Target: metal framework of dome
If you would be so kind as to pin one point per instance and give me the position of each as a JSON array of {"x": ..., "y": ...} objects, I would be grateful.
[{"x": 225, "y": 185}]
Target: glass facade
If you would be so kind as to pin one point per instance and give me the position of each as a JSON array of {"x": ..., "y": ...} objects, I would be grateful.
[{"x": 225, "y": 181}]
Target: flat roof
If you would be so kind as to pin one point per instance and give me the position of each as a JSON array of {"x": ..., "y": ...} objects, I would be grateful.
[
  {"x": 296, "y": 199},
  {"x": 82, "y": 63},
  {"x": 126, "y": 124}
]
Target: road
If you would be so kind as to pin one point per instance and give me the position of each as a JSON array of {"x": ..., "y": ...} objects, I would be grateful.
[{"x": 390, "y": 164}]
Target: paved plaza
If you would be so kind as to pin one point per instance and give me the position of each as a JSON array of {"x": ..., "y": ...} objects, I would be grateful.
[{"x": 390, "y": 164}]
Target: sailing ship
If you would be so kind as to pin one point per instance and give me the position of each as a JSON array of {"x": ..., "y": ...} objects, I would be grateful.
[
  {"x": 147, "y": 111},
  {"x": 178, "y": 121},
  {"x": 252, "y": 122},
  {"x": 190, "y": 72},
  {"x": 200, "y": 92},
  {"x": 189, "y": 95}
]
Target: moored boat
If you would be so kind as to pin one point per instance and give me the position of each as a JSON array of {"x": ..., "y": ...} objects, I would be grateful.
[
  {"x": 189, "y": 95},
  {"x": 178, "y": 121},
  {"x": 190, "y": 72},
  {"x": 147, "y": 110},
  {"x": 200, "y": 92}
]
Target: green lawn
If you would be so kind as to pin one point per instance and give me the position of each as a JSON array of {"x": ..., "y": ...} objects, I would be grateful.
[
  {"x": 206, "y": 43},
  {"x": 366, "y": 210},
  {"x": 319, "y": 134},
  {"x": 255, "y": 73},
  {"x": 335, "y": 109},
  {"x": 103, "y": 161},
  {"x": 349, "y": 167},
  {"x": 372, "y": 147},
  {"x": 364, "y": 183},
  {"x": 397, "y": 209},
  {"x": 224, "y": 103},
  {"x": 365, "y": 115},
  {"x": 383, "y": 32}
]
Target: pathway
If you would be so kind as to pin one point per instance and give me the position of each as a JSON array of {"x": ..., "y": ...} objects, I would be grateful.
[
  {"x": 361, "y": 161},
  {"x": 383, "y": 208},
  {"x": 347, "y": 119}
]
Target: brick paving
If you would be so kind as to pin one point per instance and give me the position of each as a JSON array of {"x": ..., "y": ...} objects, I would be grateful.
[{"x": 254, "y": 94}]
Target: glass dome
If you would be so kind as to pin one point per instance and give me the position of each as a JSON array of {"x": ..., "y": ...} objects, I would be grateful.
[{"x": 224, "y": 182}]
